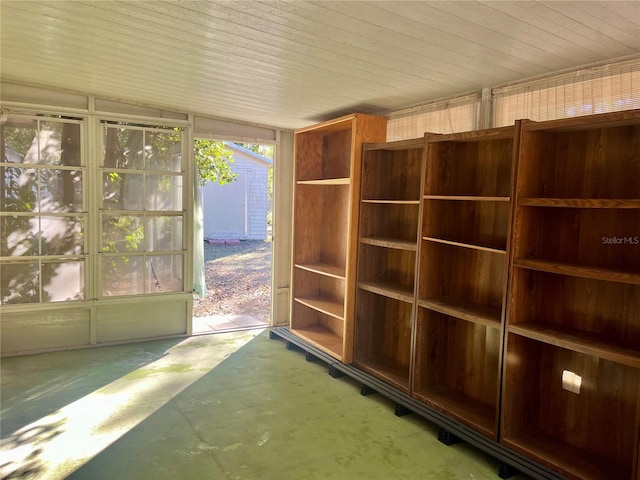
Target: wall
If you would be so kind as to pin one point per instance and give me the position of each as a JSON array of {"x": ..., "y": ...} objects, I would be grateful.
[
  {"x": 247, "y": 196},
  {"x": 31, "y": 328}
]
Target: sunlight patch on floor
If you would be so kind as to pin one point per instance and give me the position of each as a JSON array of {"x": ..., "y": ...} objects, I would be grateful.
[{"x": 58, "y": 444}]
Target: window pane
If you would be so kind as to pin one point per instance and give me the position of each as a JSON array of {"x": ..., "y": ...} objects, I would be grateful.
[
  {"x": 20, "y": 192},
  {"x": 62, "y": 235},
  {"x": 60, "y": 191},
  {"x": 163, "y": 192},
  {"x": 164, "y": 233},
  {"x": 123, "y": 233},
  {"x": 163, "y": 151},
  {"x": 19, "y": 283},
  {"x": 59, "y": 143},
  {"x": 122, "y": 191},
  {"x": 122, "y": 276},
  {"x": 123, "y": 148},
  {"x": 164, "y": 274},
  {"x": 62, "y": 281},
  {"x": 19, "y": 137},
  {"x": 18, "y": 236}
]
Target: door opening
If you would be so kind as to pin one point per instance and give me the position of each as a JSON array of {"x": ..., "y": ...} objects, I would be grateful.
[{"x": 236, "y": 236}]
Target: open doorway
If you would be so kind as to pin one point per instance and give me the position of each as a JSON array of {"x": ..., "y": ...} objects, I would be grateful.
[{"x": 236, "y": 233}]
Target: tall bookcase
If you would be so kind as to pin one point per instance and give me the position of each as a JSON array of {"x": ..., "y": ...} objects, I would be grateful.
[
  {"x": 572, "y": 370},
  {"x": 325, "y": 219},
  {"x": 388, "y": 243},
  {"x": 463, "y": 274}
]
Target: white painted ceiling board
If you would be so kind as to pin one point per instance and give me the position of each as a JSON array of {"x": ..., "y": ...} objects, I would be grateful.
[{"x": 292, "y": 63}]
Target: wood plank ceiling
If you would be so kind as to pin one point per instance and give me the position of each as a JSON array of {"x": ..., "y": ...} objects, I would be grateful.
[{"x": 289, "y": 64}]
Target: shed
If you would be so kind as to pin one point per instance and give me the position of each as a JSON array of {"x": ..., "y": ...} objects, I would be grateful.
[{"x": 238, "y": 210}]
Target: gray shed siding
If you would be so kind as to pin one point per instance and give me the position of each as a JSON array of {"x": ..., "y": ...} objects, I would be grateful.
[{"x": 238, "y": 210}]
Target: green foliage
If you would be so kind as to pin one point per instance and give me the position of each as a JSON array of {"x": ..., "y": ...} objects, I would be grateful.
[{"x": 213, "y": 162}]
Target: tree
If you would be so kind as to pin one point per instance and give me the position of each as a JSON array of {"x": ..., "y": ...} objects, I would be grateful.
[{"x": 213, "y": 162}]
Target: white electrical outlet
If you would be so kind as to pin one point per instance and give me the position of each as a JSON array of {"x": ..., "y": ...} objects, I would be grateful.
[{"x": 571, "y": 382}]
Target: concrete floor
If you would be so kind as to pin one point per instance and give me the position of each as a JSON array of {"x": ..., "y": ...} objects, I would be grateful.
[{"x": 224, "y": 406}]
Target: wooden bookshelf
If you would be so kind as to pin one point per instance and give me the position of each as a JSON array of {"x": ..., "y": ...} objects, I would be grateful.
[
  {"x": 574, "y": 298},
  {"x": 462, "y": 279},
  {"x": 325, "y": 218},
  {"x": 388, "y": 243}
]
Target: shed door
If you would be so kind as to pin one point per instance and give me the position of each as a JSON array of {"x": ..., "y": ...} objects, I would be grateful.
[{"x": 225, "y": 209}]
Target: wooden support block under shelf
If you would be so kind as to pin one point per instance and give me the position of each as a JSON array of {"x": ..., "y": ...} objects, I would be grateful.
[
  {"x": 584, "y": 342},
  {"x": 471, "y": 312},
  {"x": 595, "y": 273}
]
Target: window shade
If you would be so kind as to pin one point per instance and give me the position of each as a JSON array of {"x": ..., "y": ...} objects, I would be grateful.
[
  {"x": 451, "y": 116},
  {"x": 609, "y": 88}
]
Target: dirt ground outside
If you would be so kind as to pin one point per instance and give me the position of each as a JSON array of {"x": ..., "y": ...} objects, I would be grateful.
[{"x": 238, "y": 280}]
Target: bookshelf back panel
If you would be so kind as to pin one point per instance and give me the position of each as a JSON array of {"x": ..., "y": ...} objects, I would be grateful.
[
  {"x": 383, "y": 329},
  {"x": 323, "y": 155},
  {"x": 392, "y": 175},
  {"x": 458, "y": 355},
  {"x": 477, "y": 223},
  {"x": 609, "y": 309},
  {"x": 601, "y": 420},
  {"x": 321, "y": 219},
  {"x": 389, "y": 265},
  {"x": 594, "y": 163},
  {"x": 310, "y": 284},
  {"x": 399, "y": 222},
  {"x": 475, "y": 168},
  {"x": 606, "y": 238},
  {"x": 461, "y": 273}
]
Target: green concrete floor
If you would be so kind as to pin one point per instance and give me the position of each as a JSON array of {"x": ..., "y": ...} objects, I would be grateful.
[{"x": 223, "y": 406}]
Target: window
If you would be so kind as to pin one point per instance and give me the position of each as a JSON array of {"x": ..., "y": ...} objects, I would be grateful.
[
  {"x": 452, "y": 116},
  {"x": 43, "y": 215},
  {"x": 609, "y": 88},
  {"x": 142, "y": 217}
]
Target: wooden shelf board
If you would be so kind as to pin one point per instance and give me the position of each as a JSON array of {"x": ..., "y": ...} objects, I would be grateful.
[
  {"x": 496, "y": 133},
  {"x": 323, "y": 305},
  {"x": 570, "y": 459},
  {"x": 322, "y": 338},
  {"x": 323, "y": 269},
  {"x": 391, "y": 202},
  {"x": 580, "y": 202},
  {"x": 390, "y": 243},
  {"x": 471, "y": 312},
  {"x": 476, "y": 414},
  {"x": 410, "y": 144},
  {"x": 594, "y": 273},
  {"x": 584, "y": 342},
  {"x": 386, "y": 370},
  {"x": 390, "y": 290},
  {"x": 465, "y": 245},
  {"x": 326, "y": 181},
  {"x": 468, "y": 198}
]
